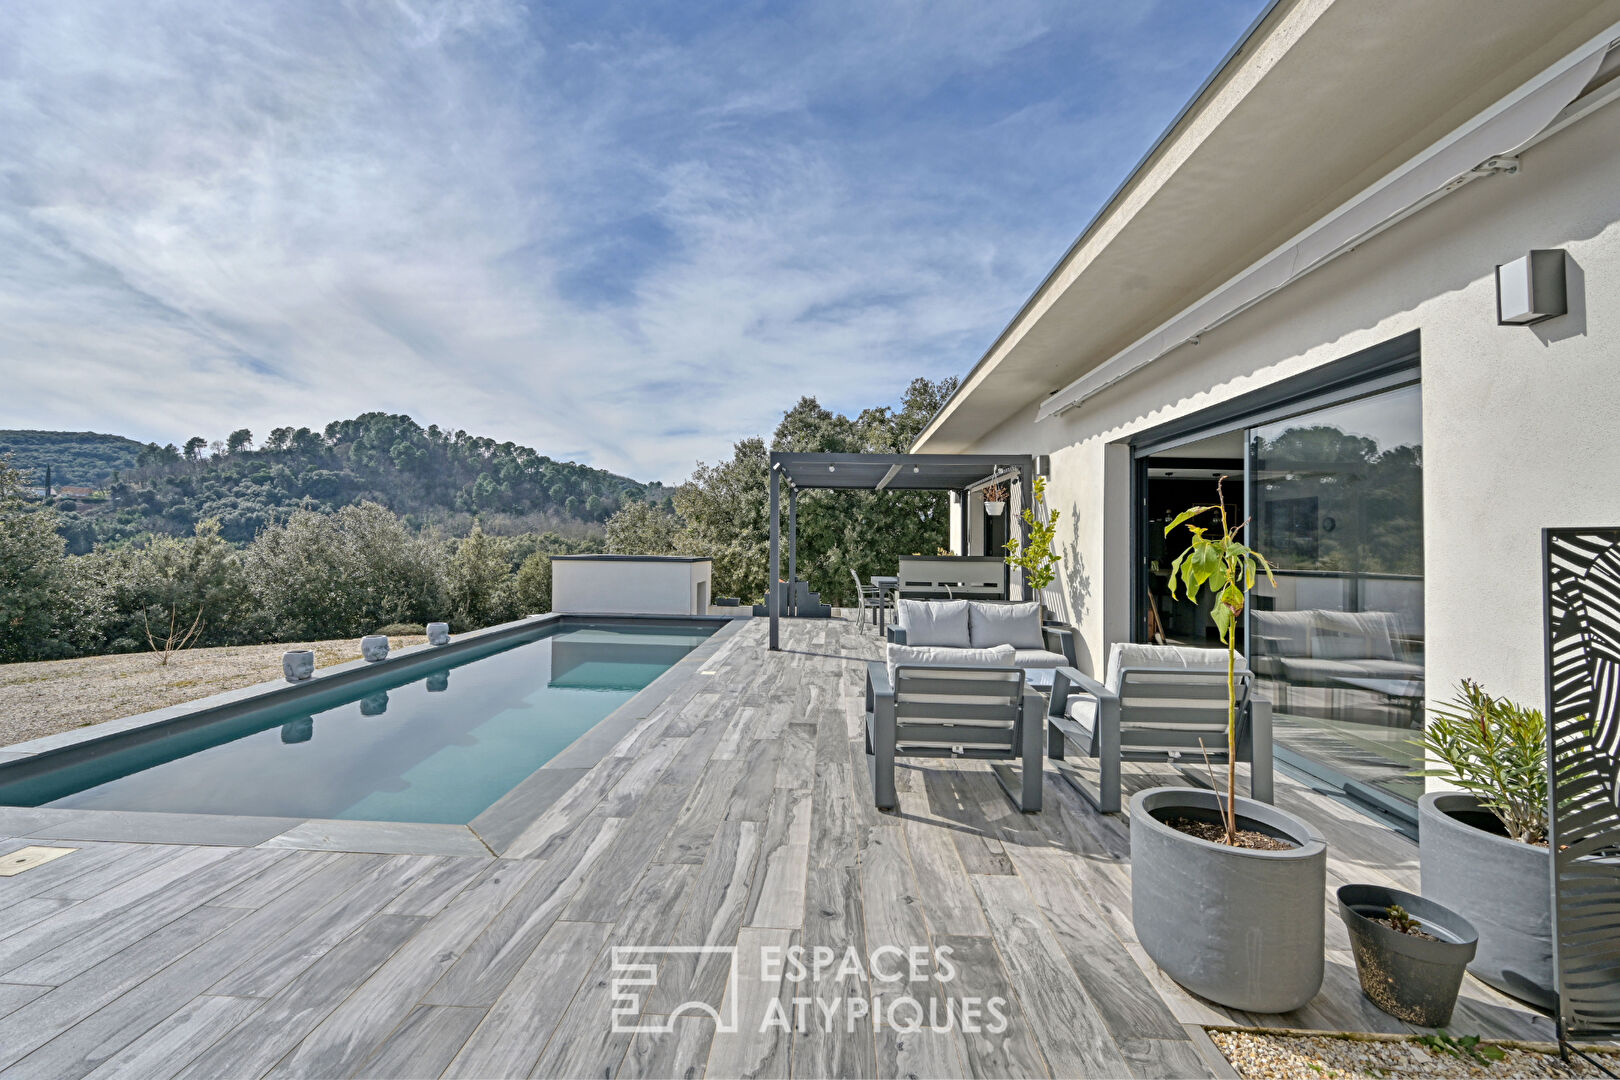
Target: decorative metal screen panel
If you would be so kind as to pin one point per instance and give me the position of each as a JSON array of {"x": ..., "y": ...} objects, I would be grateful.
[{"x": 1583, "y": 735}]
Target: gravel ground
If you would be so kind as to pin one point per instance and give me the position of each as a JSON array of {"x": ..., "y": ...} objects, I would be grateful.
[
  {"x": 1266, "y": 1056},
  {"x": 43, "y": 698}
]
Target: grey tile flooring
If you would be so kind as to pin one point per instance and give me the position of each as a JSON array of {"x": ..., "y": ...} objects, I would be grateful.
[
  {"x": 734, "y": 812},
  {"x": 383, "y": 837},
  {"x": 148, "y": 827}
]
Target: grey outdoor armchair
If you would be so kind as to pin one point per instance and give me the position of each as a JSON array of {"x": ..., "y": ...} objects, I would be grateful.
[
  {"x": 1157, "y": 703},
  {"x": 955, "y": 712}
]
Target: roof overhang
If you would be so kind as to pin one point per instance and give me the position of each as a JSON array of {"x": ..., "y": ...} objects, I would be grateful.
[{"x": 1332, "y": 120}]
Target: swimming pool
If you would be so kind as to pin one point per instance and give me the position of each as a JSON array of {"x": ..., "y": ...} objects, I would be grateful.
[{"x": 433, "y": 743}]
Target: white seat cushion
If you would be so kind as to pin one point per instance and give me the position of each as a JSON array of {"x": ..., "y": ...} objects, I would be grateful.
[
  {"x": 1018, "y": 625},
  {"x": 935, "y": 622},
  {"x": 1002, "y": 656},
  {"x": 1038, "y": 658}
]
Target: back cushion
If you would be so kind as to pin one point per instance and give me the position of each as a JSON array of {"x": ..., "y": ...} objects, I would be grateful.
[
  {"x": 1345, "y": 635},
  {"x": 1282, "y": 633},
  {"x": 934, "y": 622},
  {"x": 1176, "y": 657},
  {"x": 1018, "y": 625},
  {"x": 1001, "y": 656}
]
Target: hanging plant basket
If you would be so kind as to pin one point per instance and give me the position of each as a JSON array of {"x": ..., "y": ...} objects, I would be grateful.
[{"x": 995, "y": 499}]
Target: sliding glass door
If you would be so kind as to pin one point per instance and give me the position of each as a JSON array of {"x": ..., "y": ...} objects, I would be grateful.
[{"x": 1335, "y": 499}]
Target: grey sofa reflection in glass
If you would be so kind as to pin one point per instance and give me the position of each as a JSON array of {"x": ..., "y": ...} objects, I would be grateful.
[{"x": 1326, "y": 649}]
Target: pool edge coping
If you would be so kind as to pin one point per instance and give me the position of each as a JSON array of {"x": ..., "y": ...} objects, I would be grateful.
[{"x": 328, "y": 834}]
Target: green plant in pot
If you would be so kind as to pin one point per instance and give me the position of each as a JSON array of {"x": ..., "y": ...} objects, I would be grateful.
[
  {"x": 1036, "y": 558},
  {"x": 1410, "y": 952},
  {"x": 1483, "y": 846},
  {"x": 1227, "y": 892}
]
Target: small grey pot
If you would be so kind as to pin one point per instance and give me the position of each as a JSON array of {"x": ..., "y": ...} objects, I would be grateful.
[
  {"x": 438, "y": 633},
  {"x": 1502, "y": 887},
  {"x": 374, "y": 647},
  {"x": 1241, "y": 927},
  {"x": 297, "y": 665},
  {"x": 1408, "y": 977}
]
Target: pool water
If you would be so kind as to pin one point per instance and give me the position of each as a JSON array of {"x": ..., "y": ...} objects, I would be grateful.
[{"x": 440, "y": 747}]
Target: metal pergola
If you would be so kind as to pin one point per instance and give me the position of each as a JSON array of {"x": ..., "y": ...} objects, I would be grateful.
[{"x": 960, "y": 473}]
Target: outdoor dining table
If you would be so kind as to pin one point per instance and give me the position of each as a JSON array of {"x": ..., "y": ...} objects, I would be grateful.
[{"x": 886, "y": 584}]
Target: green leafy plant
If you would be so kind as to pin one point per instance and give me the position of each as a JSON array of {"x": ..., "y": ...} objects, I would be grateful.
[
  {"x": 1225, "y": 566},
  {"x": 1467, "y": 1046},
  {"x": 1036, "y": 559},
  {"x": 1400, "y": 919},
  {"x": 1497, "y": 752}
]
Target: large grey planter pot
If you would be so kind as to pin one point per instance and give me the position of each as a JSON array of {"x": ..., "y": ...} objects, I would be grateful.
[
  {"x": 1242, "y": 928},
  {"x": 1410, "y": 978},
  {"x": 1501, "y": 886}
]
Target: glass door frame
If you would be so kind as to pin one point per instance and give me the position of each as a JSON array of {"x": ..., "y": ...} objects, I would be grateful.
[{"x": 1388, "y": 366}]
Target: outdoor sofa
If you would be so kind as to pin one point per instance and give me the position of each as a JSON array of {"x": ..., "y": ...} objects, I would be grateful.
[
  {"x": 1319, "y": 648},
  {"x": 947, "y": 625}
]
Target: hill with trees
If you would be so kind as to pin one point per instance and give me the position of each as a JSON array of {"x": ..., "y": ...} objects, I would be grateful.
[
  {"x": 428, "y": 476},
  {"x": 377, "y": 522},
  {"x": 77, "y": 458}
]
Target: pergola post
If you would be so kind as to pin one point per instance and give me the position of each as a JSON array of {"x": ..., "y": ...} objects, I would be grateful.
[
  {"x": 1026, "y": 487},
  {"x": 793, "y": 549},
  {"x": 773, "y": 595}
]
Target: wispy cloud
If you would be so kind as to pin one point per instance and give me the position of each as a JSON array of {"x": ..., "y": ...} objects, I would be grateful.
[{"x": 622, "y": 233}]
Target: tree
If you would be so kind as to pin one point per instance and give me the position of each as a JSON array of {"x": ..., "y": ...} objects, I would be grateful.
[
  {"x": 239, "y": 440},
  {"x": 47, "y": 610},
  {"x": 194, "y": 447},
  {"x": 534, "y": 585},
  {"x": 198, "y": 581},
  {"x": 641, "y": 529},
  {"x": 725, "y": 508},
  {"x": 478, "y": 583},
  {"x": 1226, "y": 566},
  {"x": 347, "y": 573}
]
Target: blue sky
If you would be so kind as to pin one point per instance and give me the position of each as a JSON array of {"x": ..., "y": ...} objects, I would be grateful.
[{"x": 623, "y": 233}]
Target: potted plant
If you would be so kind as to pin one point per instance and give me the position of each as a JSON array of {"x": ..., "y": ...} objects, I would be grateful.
[
  {"x": 1483, "y": 848},
  {"x": 995, "y": 499},
  {"x": 1410, "y": 952},
  {"x": 1037, "y": 559},
  {"x": 1227, "y": 892}
]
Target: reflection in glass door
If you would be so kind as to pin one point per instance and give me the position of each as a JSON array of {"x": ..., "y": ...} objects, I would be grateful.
[{"x": 1336, "y": 498}]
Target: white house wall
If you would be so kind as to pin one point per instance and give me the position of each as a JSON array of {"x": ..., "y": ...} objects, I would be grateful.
[{"x": 1520, "y": 423}]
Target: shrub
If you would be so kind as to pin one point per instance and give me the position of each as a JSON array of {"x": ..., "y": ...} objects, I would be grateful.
[
  {"x": 478, "y": 582},
  {"x": 1497, "y": 752},
  {"x": 534, "y": 585},
  {"x": 335, "y": 575}
]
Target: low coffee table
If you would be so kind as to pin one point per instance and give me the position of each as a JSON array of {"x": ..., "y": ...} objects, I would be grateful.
[{"x": 1040, "y": 678}]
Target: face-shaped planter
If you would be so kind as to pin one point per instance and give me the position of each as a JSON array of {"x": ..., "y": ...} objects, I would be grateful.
[{"x": 298, "y": 665}]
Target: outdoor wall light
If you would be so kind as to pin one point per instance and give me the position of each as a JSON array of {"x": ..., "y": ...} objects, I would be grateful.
[
  {"x": 832, "y": 468},
  {"x": 1531, "y": 288}
]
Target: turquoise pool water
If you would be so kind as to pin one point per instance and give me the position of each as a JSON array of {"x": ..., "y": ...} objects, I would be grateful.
[{"x": 441, "y": 746}]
